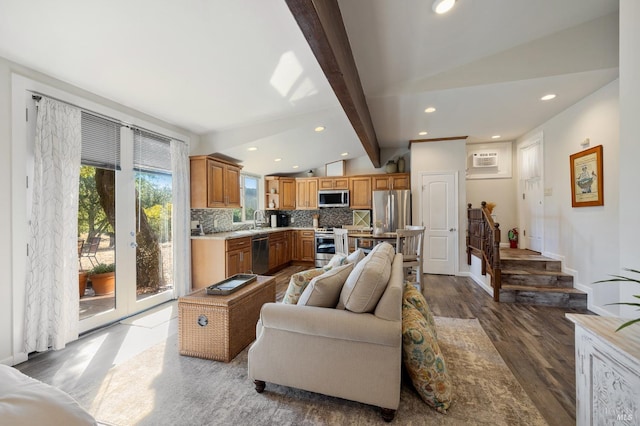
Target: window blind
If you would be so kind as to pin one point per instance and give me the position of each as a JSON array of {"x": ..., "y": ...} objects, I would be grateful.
[
  {"x": 152, "y": 153},
  {"x": 100, "y": 142}
]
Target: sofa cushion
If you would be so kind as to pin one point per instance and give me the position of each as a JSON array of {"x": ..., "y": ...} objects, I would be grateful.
[
  {"x": 298, "y": 282},
  {"x": 424, "y": 361},
  {"x": 412, "y": 295},
  {"x": 336, "y": 260},
  {"x": 368, "y": 280},
  {"x": 324, "y": 290}
]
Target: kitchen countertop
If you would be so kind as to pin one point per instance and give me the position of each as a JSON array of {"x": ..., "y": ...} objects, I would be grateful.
[{"x": 245, "y": 233}]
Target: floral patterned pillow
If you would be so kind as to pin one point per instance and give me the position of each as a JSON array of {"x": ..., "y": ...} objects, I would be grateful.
[
  {"x": 424, "y": 361},
  {"x": 298, "y": 283},
  {"x": 412, "y": 295}
]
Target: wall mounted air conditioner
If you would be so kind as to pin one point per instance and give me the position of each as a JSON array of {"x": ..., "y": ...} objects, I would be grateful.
[{"x": 485, "y": 159}]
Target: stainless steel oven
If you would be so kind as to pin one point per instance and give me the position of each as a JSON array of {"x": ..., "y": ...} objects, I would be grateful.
[{"x": 325, "y": 246}]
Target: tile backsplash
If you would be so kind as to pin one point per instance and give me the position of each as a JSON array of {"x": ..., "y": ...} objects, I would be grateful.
[{"x": 223, "y": 218}]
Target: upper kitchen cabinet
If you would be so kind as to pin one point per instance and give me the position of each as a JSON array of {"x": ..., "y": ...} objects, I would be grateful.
[
  {"x": 333, "y": 183},
  {"x": 215, "y": 183},
  {"x": 360, "y": 192},
  {"x": 391, "y": 181},
  {"x": 280, "y": 193},
  {"x": 307, "y": 193}
]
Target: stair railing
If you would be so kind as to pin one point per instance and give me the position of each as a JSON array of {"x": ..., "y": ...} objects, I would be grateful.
[{"x": 483, "y": 241}]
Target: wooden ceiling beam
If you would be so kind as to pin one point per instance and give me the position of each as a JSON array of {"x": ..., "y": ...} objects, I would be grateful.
[{"x": 322, "y": 26}]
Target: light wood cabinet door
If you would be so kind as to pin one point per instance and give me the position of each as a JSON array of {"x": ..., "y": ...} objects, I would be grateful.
[
  {"x": 214, "y": 183},
  {"x": 308, "y": 250},
  {"x": 360, "y": 192},
  {"x": 333, "y": 183},
  {"x": 392, "y": 181},
  {"x": 288, "y": 194},
  {"x": 238, "y": 261},
  {"x": 306, "y": 194}
]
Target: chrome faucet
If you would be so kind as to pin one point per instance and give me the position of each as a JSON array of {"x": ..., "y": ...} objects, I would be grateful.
[{"x": 258, "y": 219}]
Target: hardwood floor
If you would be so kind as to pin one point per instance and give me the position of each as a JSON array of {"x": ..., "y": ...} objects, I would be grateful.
[{"x": 536, "y": 342}]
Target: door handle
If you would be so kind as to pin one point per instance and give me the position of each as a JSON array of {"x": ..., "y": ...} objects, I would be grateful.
[
  {"x": 134, "y": 245},
  {"x": 452, "y": 230}
]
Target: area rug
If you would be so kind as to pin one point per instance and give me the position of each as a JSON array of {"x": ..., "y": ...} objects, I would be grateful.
[{"x": 160, "y": 387}]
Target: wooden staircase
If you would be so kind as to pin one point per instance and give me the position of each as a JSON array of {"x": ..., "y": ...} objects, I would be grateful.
[
  {"x": 528, "y": 277},
  {"x": 520, "y": 276}
]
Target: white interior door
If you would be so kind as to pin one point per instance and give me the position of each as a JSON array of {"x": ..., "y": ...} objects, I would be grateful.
[
  {"x": 532, "y": 192},
  {"x": 439, "y": 217}
]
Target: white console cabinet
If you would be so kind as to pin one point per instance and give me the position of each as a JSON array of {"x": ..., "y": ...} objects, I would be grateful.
[{"x": 607, "y": 371}]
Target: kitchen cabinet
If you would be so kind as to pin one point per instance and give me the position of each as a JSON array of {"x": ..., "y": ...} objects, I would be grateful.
[
  {"x": 333, "y": 183},
  {"x": 360, "y": 192},
  {"x": 208, "y": 256},
  {"x": 279, "y": 249},
  {"x": 304, "y": 249},
  {"x": 391, "y": 181},
  {"x": 215, "y": 183},
  {"x": 281, "y": 191},
  {"x": 306, "y": 193}
]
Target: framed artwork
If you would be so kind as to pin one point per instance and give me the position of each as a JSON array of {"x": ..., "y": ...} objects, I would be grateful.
[{"x": 587, "y": 187}]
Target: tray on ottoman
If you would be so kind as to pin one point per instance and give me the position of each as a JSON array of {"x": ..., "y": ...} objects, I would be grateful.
[{"x": 220, "y": 327}]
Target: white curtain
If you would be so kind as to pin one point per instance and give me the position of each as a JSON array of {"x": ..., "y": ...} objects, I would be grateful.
[
  {"x": 52, "y": 262},
  {"x": 181, "y": 217}
]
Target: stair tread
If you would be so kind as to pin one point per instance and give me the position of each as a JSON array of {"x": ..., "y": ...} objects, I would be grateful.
[
  {"x": 542, "y": 288},
  {"x": 534, "y": 272}
]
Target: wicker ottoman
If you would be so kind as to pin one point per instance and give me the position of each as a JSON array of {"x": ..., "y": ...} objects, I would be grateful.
[{"x": 220, "y": 327}]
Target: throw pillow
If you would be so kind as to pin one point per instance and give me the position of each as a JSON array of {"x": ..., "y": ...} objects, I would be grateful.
[
  {"x": 355, "y": 257},
  {"x": 336, "y": 260},
  {"x": 298, "y": 283},
  {"x": 424, "y": 361},
  {"x": 365, "y": 285},
  {"x": 412, "y": 295},
  {"x": 324, "y": 290}
]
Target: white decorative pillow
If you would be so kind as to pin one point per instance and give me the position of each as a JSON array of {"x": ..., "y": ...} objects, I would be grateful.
[
  {"x": 355, "y": 257},
  {"x": 324, "y": 291},
  {"x": 365, "y": 285},
  {"x": 336, "y": 260}
]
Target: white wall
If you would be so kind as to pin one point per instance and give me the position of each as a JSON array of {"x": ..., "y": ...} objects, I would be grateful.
[
  {"x": 586, "y": 238},
  {"x": 629, "y": 230},
  {"x": 445, "y": 156},
  {"x": 502, "y": 192},
  {"x": 12, "y": 219}
]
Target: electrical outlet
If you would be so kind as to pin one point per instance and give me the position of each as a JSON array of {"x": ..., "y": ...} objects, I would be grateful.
[
  {"x": 194, "y": 224},
  {"x": 293, "y": 220},
  {"x": 215, "y": 223}
]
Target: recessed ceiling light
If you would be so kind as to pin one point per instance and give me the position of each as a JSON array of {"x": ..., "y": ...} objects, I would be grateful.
[
  {"x": 295, "y": 167},
  {"x": 443, "y": 6},
  {"x": 252, "y": 148},
  {"x": 495, "y": 137},
  {"x": 429, "y": 110},
  {"x": 548, "y": 97},
  {"x": 344, "y": 154},
  {"x": 277, "y": 159},
  {"x": 422, "y": 133},
  {"x": 319, "y": 129}
]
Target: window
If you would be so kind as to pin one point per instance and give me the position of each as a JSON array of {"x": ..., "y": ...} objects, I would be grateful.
[{"x": 249, "y": 185}]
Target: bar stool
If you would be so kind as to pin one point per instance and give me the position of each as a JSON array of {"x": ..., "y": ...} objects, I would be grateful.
[
  {"x": 341, "y": 240},
  {"x": 409, "y": 242}
]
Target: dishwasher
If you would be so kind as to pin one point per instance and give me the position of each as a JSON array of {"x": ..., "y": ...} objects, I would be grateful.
[{"x": 260, "y": 254}]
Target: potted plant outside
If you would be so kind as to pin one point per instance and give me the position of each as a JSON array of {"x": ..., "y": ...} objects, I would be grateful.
[
  {"x": 82, "y": 282},
  {"x": 103, "y": 278},
  {"x": 513, "y": 237}
]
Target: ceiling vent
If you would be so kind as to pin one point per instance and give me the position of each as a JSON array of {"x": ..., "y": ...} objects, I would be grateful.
[{"x": 485, "y": 159}]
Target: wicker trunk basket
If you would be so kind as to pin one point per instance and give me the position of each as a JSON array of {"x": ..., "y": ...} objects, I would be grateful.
[{"x": 220, "y": 327}]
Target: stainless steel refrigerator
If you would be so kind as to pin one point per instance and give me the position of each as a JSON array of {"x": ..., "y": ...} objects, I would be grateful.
[{"x": 392, "y": 209}]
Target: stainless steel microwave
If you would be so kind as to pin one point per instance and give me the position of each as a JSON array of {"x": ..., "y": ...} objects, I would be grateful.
[{"x": 333, "y": 198}]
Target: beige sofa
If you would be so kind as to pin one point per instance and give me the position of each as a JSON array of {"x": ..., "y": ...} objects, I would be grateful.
[{"x": 356, "y": 356}]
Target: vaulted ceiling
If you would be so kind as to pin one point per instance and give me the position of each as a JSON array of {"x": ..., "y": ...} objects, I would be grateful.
[{"x": 240, "y": 74}]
